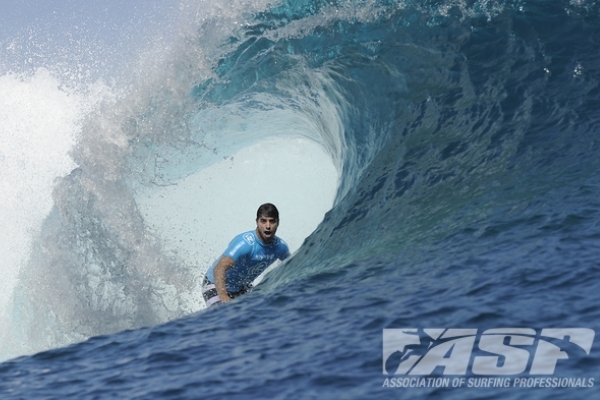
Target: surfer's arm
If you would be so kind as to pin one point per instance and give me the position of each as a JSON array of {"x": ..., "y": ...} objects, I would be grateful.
[{"x": 221, "y": 277}]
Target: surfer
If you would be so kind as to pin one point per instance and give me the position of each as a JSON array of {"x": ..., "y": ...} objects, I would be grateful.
[{"x": 246, "y": 257}]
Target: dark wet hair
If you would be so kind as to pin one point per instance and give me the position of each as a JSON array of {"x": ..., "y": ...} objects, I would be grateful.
[{"x": 267, "y": 210}]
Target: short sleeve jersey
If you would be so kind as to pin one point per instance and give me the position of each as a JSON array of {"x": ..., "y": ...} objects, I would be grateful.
[{"x": 251, "y": 257}]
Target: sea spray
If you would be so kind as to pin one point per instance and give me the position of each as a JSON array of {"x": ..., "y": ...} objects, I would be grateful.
[{"x": 39, "y": 123}]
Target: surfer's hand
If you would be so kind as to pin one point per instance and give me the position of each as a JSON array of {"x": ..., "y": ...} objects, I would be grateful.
[{"x": 224, "y": 298}]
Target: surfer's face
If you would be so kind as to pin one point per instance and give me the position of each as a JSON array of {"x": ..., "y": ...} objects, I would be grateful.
[{"x": 266, "y": 228}]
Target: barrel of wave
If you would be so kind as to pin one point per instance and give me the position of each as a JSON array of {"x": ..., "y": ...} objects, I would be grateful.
[{"x": 197, "y": 217}]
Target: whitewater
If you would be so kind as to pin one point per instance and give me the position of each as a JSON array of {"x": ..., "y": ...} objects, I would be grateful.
[{"x": 435, "y": 165}]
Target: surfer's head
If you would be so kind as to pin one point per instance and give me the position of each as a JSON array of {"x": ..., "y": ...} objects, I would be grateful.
[
  {"x": 267, "y": 210},
  {"x": 267, "y": 221}
]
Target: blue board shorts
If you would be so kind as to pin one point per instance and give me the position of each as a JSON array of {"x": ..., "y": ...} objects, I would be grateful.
[{"x": 211, "y": 297}]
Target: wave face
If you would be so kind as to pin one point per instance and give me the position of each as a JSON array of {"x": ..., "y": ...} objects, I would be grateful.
[{"x": 454, "y": 146}]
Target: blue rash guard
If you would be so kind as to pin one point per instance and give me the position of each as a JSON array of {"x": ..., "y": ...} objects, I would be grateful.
[{"x": 251, "y": 257}]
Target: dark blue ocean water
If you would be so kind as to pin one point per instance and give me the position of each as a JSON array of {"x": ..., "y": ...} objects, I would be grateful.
[{"x": 466, "y": 136}]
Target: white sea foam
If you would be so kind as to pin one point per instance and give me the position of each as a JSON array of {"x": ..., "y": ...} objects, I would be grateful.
[{"x": 39, "y": 123}]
